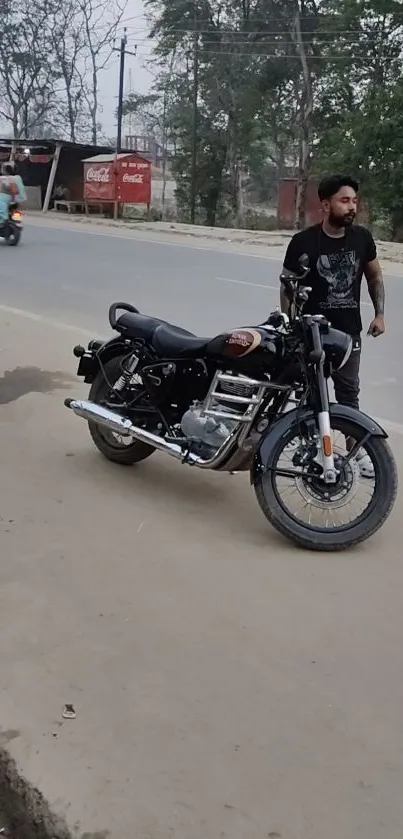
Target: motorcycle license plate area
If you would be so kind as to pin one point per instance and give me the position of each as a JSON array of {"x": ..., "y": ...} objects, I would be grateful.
[{"x": 87, "y": 367}]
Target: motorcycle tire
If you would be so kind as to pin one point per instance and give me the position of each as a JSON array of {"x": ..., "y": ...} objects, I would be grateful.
[
  {"x": 123, "y": 454},
  {"x": 14, "y": 238},
  {"x": 346, "y": 536}
]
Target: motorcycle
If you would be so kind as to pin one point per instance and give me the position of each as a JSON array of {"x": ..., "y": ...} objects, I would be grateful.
[
  {"x": 11, "y": 229},
  {"x": 250, "y": 399}
]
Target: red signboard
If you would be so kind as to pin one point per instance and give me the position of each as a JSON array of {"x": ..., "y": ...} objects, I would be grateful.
[
  {"x": 126, "y": 179},
  {"x": 40, "y": 158}
]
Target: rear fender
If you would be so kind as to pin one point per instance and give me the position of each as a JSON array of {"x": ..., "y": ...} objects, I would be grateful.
[
  {"x": 89, "y": 365},
  {"x": 274, "y": 434}
]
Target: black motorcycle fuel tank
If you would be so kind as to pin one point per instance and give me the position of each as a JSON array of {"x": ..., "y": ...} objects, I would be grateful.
[{"x": 251, "y": 349}]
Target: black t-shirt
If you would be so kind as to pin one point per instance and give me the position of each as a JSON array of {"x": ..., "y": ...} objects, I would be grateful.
[{"x": 337, "y": 267}]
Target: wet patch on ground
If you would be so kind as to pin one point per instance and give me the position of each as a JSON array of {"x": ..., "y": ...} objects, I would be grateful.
[{"x": 23, "y": 380}]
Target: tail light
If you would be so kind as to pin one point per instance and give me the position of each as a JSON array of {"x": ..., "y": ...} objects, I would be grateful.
[{"x": 16, "y": 215}]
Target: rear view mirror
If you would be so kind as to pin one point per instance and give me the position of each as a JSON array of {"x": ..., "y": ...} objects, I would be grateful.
[{"x": 304, "y": 261}]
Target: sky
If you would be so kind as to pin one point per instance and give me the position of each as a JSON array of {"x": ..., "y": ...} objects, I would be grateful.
[{"x": 135, "y": 68}]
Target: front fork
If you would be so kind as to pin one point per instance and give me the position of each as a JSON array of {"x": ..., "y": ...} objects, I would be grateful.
[{"x": 325, "y": 431}]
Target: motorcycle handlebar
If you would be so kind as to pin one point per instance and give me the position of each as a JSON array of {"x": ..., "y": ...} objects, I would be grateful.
[{"x": 127, "y": 307}]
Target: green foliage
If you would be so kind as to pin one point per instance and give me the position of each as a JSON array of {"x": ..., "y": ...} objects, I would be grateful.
[{"x": 253, "y": 115}]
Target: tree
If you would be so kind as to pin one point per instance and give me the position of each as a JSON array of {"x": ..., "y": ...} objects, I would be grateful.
[
  {"x": 280, "y": 81},
  {"x": 27, "y": 82},
  {"x": 68, "y": 46},
  {"x": 359, "y": 128},
  {"x": 52, "y": 54},
  {"x": 100, "y": 20}
]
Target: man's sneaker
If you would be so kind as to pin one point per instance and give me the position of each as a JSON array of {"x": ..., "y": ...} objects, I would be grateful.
[{"x": 365, "y": 464}]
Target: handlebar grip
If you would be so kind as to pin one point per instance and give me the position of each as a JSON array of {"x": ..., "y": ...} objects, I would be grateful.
[
  {"x": 288, "y": 287},
  {"x": 127, "y": 307}
]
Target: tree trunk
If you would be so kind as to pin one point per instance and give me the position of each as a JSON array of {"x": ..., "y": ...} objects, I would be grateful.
[
  {"x": 304, "y": 170},
  {"x": 164, "y": 155},
  {"x": 305, "y": 124},
  {"x": 239, "y": 196},
  {"x": 211, "y": 209}
]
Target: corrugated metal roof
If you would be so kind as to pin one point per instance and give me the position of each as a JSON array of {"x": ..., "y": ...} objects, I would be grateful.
[{"x": 107, "y": 158}]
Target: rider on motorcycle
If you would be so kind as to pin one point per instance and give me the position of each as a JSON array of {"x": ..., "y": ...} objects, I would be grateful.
[{"x": 16, "y": 186}]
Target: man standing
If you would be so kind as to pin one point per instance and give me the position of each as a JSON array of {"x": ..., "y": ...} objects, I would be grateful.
[{"x": 340, "y": 253}]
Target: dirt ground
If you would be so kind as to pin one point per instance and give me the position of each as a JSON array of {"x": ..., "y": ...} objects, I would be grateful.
[{"x": 224, "y": 683}]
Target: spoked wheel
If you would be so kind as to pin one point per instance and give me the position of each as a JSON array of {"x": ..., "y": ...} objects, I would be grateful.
[
  {"x": 328, "y": 517},
  {"x": 119, "y": 448}
]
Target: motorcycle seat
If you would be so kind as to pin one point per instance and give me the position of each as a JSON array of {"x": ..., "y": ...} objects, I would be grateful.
[
  {"x": 137, "y": 326},
  {"x": 174, "y": 342},
  {"x": 167, "y": 340}
]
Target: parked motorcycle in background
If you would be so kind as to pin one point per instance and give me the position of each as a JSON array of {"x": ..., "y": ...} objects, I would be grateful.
[{"x": 223, "y": 404}]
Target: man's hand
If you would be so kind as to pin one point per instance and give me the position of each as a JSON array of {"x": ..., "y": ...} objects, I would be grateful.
[
  {"x": 377, "y": 326},
  {"x": 376, "y": 290}
]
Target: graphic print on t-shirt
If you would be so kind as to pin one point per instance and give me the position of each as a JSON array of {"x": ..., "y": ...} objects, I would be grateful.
[{"x": 339, "y": 270}]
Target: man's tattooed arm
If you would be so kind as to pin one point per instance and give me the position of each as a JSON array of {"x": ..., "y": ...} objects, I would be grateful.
[{"x": 373, "y": 273}]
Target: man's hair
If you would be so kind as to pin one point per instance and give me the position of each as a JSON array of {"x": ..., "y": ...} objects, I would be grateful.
[{"x": 330, "y": 186}]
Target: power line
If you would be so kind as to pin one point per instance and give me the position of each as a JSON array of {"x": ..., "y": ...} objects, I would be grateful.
[
  {"x": 281, "y": 56},
  {"x": 273, "y": 42},
  {"x": 331, "y": 33}
]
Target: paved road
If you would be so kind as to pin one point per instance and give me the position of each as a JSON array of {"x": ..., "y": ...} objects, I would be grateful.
[
  {"x": 225, "y": 684},
  {"x": 75, "y": 276}
]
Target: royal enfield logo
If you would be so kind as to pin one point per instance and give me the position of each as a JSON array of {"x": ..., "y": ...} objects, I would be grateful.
[
  {"x": 241, "y": 342},
  {"x": 133, "y": 179},
  {"x": 100, "y": 175},
  {"x": 242, "y": 339}
]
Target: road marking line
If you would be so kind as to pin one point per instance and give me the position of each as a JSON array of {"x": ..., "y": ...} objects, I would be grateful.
[
  {"x": 132, "y": 238},
  {"x": 22, "y": 313},
  {"x": 262, "y": 285},
  {"x": 389, "y": 425},
  {"x": 245, "y": 282},
  {"x": 226, "y": 243}
]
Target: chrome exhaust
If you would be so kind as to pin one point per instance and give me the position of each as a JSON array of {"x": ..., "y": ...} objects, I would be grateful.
[
  {"x": 124, "y": 426},
  {"x": 92, "y": 412}
]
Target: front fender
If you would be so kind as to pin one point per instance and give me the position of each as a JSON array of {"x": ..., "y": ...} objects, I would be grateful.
[{"x": 273, "y": 435}]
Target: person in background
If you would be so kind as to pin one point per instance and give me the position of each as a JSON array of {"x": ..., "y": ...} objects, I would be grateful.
[
  {"x": 340, "y": 253},
  {"x": 5, "y": 199},
  {"x": 19, "y": 193}
]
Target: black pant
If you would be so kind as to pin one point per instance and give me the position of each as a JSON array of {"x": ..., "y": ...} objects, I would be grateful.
[{"x": 347, "y": 380}]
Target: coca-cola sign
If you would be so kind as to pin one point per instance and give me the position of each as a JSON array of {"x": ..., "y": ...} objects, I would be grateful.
[
  {"x": 100, "y": 175},
  {"x": 133, "y": 179}
]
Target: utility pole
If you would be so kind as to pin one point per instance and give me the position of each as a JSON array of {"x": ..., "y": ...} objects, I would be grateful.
[
  {"x": 123, "y": 52},
  {"x": 195, "y": 117}
]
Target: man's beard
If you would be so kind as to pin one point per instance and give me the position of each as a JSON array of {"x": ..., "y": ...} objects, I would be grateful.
[{"x": 341, "y": 221}]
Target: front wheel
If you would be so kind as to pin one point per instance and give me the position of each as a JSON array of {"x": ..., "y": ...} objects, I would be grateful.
[{"x": 327, "y": 517}]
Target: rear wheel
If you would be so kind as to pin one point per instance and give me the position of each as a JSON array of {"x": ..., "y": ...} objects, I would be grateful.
[
  {"x": 326, "y": 517},
  {"x": 116, "y": 447},
  {"x": 14, "y": 236}
]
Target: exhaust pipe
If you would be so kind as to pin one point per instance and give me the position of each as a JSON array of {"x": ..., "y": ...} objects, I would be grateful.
[{"x": 124, "y": 426}]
